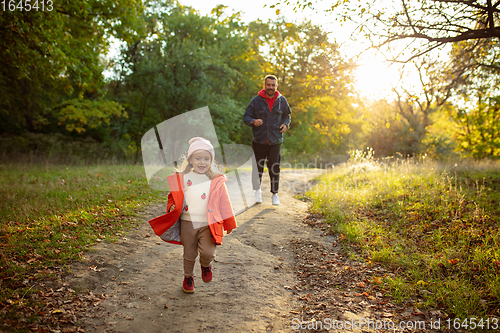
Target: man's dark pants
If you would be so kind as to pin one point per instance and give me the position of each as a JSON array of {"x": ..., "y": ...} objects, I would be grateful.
[{"x": 273, "y": 155}]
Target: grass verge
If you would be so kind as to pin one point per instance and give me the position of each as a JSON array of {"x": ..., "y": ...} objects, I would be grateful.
[
  {"x": 51, "y": 214},
  {"x": 436, "y": 226}
]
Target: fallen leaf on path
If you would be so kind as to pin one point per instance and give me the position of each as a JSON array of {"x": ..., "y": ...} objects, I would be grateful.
[{"x": 417, "y": 312}]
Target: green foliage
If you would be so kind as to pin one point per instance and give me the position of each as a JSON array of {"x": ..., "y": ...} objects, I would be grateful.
[
  {"x": 479, "y": 130},
  {"x": 76, "y": 114},
  {"x": 49, "y": 56},
  {"x": 439, "y": 142},
  {"x": 324, "y": 126},
  {"x": 475, "y": 67},
  {"x": 186, "y": 61},
  {"x": 437, "y": 227}
]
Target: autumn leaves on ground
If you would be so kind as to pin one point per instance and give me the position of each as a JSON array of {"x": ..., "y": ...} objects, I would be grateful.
[
  {"x": 436, "y": 225},
  {"x": 426, "y": 235},
  {"x": 51, "y": 215}
]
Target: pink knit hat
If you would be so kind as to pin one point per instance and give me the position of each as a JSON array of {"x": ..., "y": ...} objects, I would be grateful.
[{"x": 198, "y": 143}]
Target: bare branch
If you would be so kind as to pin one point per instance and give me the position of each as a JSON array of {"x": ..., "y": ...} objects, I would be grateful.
[{"x": 471, "y": 34}]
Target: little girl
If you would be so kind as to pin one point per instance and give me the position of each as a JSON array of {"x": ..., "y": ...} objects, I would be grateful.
[{"x": 198, "y": 210}]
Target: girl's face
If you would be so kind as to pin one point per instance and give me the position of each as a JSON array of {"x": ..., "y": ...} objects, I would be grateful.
[{"x": 201, "y": 160}]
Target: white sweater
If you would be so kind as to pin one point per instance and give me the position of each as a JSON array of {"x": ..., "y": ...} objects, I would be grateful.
[{"x": 196, "y": 192}]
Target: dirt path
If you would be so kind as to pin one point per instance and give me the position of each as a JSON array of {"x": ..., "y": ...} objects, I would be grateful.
[
  {"x": 137, "y": 281},
  {"x": 273, "y": 273}
]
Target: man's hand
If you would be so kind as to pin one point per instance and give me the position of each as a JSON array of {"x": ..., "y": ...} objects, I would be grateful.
[
  {"x": 258, "y": 122},
  {"x": 283, "y": 128}
]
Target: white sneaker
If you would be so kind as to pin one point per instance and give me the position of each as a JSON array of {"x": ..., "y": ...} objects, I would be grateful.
[
  {"x": 276, "y": 200},
  {"x": 258, "y": 196}
]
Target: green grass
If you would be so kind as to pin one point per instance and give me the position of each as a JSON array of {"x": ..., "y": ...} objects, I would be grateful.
[
  {"x": 50, "y": 215},
  {"x": 437, "y": 224}
]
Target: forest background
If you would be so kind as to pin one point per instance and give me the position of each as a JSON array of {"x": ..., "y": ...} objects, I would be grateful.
[
  {"x": 77, "y": 116},
  {"x": 57, "y": 104}
]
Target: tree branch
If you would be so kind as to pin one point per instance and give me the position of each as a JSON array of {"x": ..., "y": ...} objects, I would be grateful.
[{"x": 471, "y": 34}]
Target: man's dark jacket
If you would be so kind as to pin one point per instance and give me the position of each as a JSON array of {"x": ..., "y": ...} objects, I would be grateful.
[{"x": 269, "y": 132}]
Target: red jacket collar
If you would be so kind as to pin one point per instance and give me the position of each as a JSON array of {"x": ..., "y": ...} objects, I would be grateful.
[{"x": 262, "y": 93}]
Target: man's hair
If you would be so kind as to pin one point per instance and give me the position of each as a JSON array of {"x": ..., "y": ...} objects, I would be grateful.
[{"x": 271, "y": 77}]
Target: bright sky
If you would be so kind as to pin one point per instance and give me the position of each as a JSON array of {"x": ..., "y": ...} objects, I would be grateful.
[{"x": 374, "y": 79}]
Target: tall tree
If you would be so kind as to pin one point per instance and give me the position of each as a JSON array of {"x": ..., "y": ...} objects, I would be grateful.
[{"x": 50, "y": 55}]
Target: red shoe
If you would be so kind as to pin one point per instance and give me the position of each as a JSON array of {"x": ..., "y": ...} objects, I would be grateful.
[
  {"x": 188, "y": 285},
  {"x": 206, "y": 273}
]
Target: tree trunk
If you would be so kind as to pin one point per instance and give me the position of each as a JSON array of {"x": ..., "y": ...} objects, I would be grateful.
[{"x": 138, "y": 134}]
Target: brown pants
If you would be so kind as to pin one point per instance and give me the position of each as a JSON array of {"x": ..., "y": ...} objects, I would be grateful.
[{"x": 194, "y": 240}]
